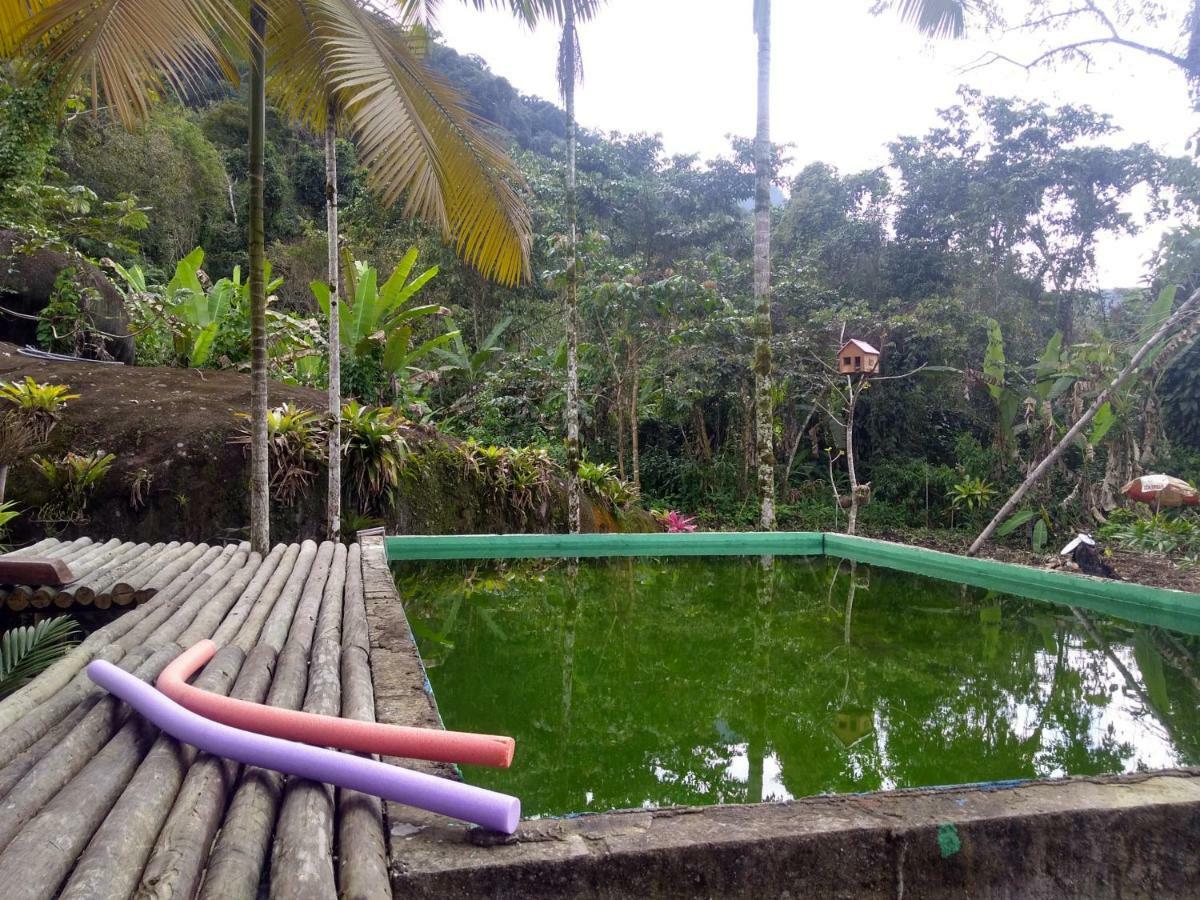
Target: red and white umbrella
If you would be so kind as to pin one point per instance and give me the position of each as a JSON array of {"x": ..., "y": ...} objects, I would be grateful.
[{"x": 1162, "y": 490}]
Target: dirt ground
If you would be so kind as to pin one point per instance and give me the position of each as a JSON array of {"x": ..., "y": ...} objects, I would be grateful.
[{"x": 1140, "y": 568}]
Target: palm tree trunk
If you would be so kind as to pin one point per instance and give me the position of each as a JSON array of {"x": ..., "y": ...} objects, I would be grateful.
[
  {"x": 260, "y": 500},
  {"x": 569, "y": 65},
  {"x": 333, "y": 527},
  {"x": 764, "y": 443},
  {"x": 634, "y": 457}
]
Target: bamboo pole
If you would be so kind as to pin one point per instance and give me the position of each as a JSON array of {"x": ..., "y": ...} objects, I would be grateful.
[
  {"x": 362, "y": 846},
  {"x": 238, "y": 856},
  {"x": 302, "y": 859},
  {"x": 176, "y": 864}
]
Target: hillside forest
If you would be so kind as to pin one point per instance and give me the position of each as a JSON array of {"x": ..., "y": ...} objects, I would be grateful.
[{"x": 968, "y": 260}]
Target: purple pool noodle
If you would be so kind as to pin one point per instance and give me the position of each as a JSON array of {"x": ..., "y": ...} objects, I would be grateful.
[{"x": 490, "y": 809}]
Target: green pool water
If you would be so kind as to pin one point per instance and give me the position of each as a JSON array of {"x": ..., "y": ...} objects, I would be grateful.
[{"x": 658, "y": 682}]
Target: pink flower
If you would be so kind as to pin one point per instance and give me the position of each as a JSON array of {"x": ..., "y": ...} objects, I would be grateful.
[{"x": 677, "y": 523}]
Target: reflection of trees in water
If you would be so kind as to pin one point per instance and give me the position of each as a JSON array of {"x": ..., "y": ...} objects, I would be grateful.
[{"x": 673, "y": 681}]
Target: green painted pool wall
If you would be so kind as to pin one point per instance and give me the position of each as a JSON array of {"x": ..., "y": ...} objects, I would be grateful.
[
  {"x": 563, "y": 546},
  {"x": 1137, "y": 603}
]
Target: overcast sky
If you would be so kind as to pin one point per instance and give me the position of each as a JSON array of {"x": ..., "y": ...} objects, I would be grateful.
[{"x": 845, "y": 82}]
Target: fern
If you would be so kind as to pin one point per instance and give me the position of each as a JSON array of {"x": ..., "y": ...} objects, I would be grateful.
[{"x": 28, "y": 651}]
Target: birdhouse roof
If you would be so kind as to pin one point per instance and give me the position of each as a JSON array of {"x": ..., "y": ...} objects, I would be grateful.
[{"x": 861, "y": 345}]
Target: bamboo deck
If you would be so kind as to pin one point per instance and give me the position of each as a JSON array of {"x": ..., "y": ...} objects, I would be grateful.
[{"x": 94, "y": 802}]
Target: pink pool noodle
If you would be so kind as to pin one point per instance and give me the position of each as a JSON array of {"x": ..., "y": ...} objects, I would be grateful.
[
  {"x": 328, "y": 731},
  {"x": 490, "y": 809}
]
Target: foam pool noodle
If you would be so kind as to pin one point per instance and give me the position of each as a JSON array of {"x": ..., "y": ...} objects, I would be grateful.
[
  {"x": 328, "y": 731},
  {"x": 479, "y": 806}
]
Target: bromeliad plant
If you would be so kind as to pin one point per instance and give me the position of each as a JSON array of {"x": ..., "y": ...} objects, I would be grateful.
[
  {"x": 39, "y": 406},
  {"x": 72, "y": 480},
  {"x": 602, "y": 482},
  {"x": 28, "y": 651},
  {"x": 297, "y": 443},
  {"x": 375, "y": 454}
]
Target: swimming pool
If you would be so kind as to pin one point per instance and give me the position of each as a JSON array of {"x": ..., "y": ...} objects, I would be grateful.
[{"x": 656, "y": 681}]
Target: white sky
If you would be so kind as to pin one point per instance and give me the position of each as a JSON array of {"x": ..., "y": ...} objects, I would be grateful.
[{"x": 845, "y": 82}]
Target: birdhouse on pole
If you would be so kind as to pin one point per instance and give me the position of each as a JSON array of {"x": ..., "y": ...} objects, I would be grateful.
[{"x": 858, "y": 358}]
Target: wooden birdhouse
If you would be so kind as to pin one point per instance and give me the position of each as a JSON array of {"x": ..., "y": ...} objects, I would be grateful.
[
  {"x": 858, "y": 358},
  {"x": 851, "y": 724}
]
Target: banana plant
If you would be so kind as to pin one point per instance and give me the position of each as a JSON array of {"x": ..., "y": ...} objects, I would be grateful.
[
  {"x": 473, "y": 365},
  {"x": 380, "y": 319}
]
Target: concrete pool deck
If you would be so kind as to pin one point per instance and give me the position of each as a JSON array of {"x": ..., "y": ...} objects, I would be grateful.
[{"x": 1119, "y": 836}]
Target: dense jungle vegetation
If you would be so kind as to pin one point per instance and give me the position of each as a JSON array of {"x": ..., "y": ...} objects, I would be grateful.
[{"x": 968, "y": 260}]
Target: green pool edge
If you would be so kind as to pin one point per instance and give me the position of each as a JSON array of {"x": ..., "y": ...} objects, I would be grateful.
[{"x": 1175, "y": 610}]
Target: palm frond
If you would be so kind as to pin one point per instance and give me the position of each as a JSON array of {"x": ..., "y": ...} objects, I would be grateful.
[
  {"x": 128, "y": 51},
  {"x": 28, "y": 651},
  {"x": 936, "y": 18},
  {"x": 415, "y": 135}
]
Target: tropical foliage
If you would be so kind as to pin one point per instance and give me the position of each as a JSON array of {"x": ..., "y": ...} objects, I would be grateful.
[{"x": 27, "y": 651}]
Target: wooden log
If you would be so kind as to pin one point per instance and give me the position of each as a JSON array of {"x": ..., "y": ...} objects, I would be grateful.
[
  {"x": 293, "y": 568},
  {"x": 103, "y": 602},
  {"x": 362, "y": 845},
  {"x": 145, "y": 590},
  {"x": 277, "y": 565},
  {"x": 71, "y": 550},
  {"x": 101, "y": 580},
  {"x": 30, "y": 728},
  {"x": 276, "y": 626},
  {"x": 86, "y": 581},
  {"x": 181, "y": 852},
  {"x": 112, "y": 864},
  {"x": 214, "y": 610},
  {"x": 128, "y": 582},
  {"x": 35, "y": 570},
  {"x": 82, "y": 567},
  {"x": 18, "y": 601},
  {"x": 37, "y": 860},
  {"x": 47, "y": 777},
  {"x": 62, "y": 672},
  {"x": 157, "y": 582},
  {"x": 64, "y": 600},
  {"x": 302, "y": 860},
  {"x": 240, "y": 851},
  {"x": 17, "y": 766},
  {"x": 41, "y": 547}
]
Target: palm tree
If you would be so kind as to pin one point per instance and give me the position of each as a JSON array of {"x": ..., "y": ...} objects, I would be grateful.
[
  {"x": 570, "y": 72},
  {"x": 415, "y": 136},
  {"x": 764, "y": 415},
  {"x": 333, "y": 503},
  {"x": 936, "y": 18}
]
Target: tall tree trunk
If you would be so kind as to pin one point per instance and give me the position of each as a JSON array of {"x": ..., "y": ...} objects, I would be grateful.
[
  {"x": 260, "y": 500},
  {"x": 570, "y": 66},
  {"x": 333, "y": 511},
  {"x": 3, "y": 480},
  {"x": 1179, "y": 316},
  {"x": 634, "y": 464},
  {"x": 851, "y": 470},
  {"x": 764, "y": 443}
]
